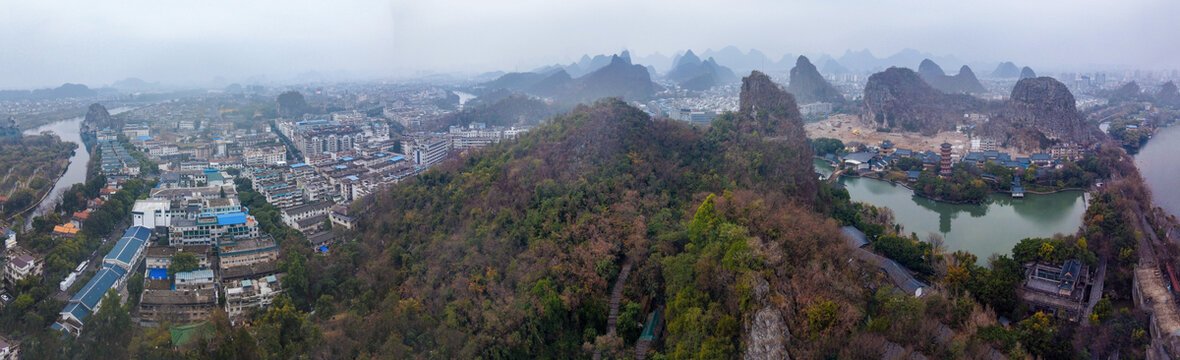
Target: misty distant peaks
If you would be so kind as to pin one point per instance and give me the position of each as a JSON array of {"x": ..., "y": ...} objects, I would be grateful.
[
  {"x": 616, "y": 77},
  {"x": 808, "y": 86},
  {"x": 65, "y": 91},
  {"x": 734, "y": 58},
  {"x": 830, "y": 66},
  {"x": 964, "y": 82},
  {"x": 687, "y": 59},
  {"x": 1006, "y": 70},
  {"x": 865, "y": 61},
  {"x": 693, "y": 74},
  {"x": 1027, "y": 73}
]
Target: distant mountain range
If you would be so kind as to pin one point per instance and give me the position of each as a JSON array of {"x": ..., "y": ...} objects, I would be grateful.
[
  {"x": 808, "y": 86},
  {"x": 1038, "y": 110},
  {"x": 61, "y": 92},
  {"x": 618, "y": 78},
  {"x": 962, "y": 83},
  {"x": 693, "y": 74}
]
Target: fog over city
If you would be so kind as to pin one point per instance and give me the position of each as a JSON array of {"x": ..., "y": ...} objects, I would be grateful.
[{"x": 99, "y": 42}]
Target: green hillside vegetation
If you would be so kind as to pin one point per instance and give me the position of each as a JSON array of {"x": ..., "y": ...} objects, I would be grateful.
[
  {"x": 28, "y": 167},
  {"x": 514, "y": 109},
  {"x": 511, "y": 252}
]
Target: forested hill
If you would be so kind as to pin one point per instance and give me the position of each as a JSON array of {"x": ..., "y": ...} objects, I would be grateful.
[{"x": 512, "y": 252}]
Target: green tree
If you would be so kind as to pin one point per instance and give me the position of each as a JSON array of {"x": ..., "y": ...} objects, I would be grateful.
[
  {"x": 182, "y": 262},
  {"x": 134, "y": 289},
  {"x": 107, "y": 331}
]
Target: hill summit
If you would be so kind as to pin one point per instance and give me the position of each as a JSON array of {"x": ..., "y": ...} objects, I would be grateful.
[
  {"x": 808, "y": 86},
  {"x": 964, "y": 82}
]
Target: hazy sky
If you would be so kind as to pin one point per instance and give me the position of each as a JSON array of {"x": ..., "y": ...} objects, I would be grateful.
[{"x": 46, "y": 43}]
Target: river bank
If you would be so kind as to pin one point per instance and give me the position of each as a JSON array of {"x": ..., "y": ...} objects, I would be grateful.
[{"x": 76, "y": 171}]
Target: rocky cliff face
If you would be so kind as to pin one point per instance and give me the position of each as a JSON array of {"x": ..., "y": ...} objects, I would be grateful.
[
  {"x": 808, "y": 86},
  {"x": 97, "y": 118},
  {"x": 1040, "y": 112},
  {"x": 768, "y": 110},
  {"x": 1006, "y": 70},
  {"x": 1168, "y": 96},
  {"x": 964, "y": 82},
  {"x": 768, "y": 122},
  {"x": 898, "y": 98},
  {"x": 1027, "y": 73}
]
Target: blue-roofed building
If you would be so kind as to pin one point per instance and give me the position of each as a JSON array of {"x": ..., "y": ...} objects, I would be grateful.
[
  {"x": 89, "y": 299},
  {"x": 129, "y": 249},
  {"x": 903, "y": 152},
  {"x": 205, "y": 230},
  {"x": 913, "y": 175},
  {"x": 231, "y": 219},
  {"x": 974, "y": 158},
  {"x": 157, "y": 274},
  {"x": 1040, "y": 158}
]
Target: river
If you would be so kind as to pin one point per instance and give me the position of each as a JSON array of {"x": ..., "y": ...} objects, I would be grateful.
[
  {"x": 981, "y": 229},
  {"x": 463, "y": 97},
  {"x": 67, "y": 130},
  {"x": 1161, "y": 169}
]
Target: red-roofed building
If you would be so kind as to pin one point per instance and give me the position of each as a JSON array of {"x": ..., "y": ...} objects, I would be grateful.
[
  {"x": 80, "y": 217},
  {"x": 106, "y": 192}
]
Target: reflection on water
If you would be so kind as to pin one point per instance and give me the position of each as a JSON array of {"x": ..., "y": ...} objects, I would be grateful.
[{"x": 993, "y": 227}]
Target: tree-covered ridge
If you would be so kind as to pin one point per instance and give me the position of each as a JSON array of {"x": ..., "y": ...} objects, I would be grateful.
[
  {"x": 512, "y": 251},
  {"x": 510, "y": 110}
]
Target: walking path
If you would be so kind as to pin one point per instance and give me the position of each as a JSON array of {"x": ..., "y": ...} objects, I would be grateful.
[{"x": 616, "y": 296}]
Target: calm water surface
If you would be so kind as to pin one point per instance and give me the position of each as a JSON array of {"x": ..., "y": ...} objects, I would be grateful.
[
  {"x": 1159, "y": 165},
  {"x": 982, "y": 229}
]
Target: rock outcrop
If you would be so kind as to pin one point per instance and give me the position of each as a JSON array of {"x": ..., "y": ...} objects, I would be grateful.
[
  {"x": 808, "y": 86},
  {"x": 898, "y": 98},
  {"x": 1027, "y": 73},
  {"x": 97, "y": 118},
  {"x": 768, "y": 110},
  {"x": 1006, "y": 70},
  {"x": 964, "y": 82},
  {"x": 1041, "y": 111}
]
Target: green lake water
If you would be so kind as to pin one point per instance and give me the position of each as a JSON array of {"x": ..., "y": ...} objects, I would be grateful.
[{"x": 982, "y": 229}]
